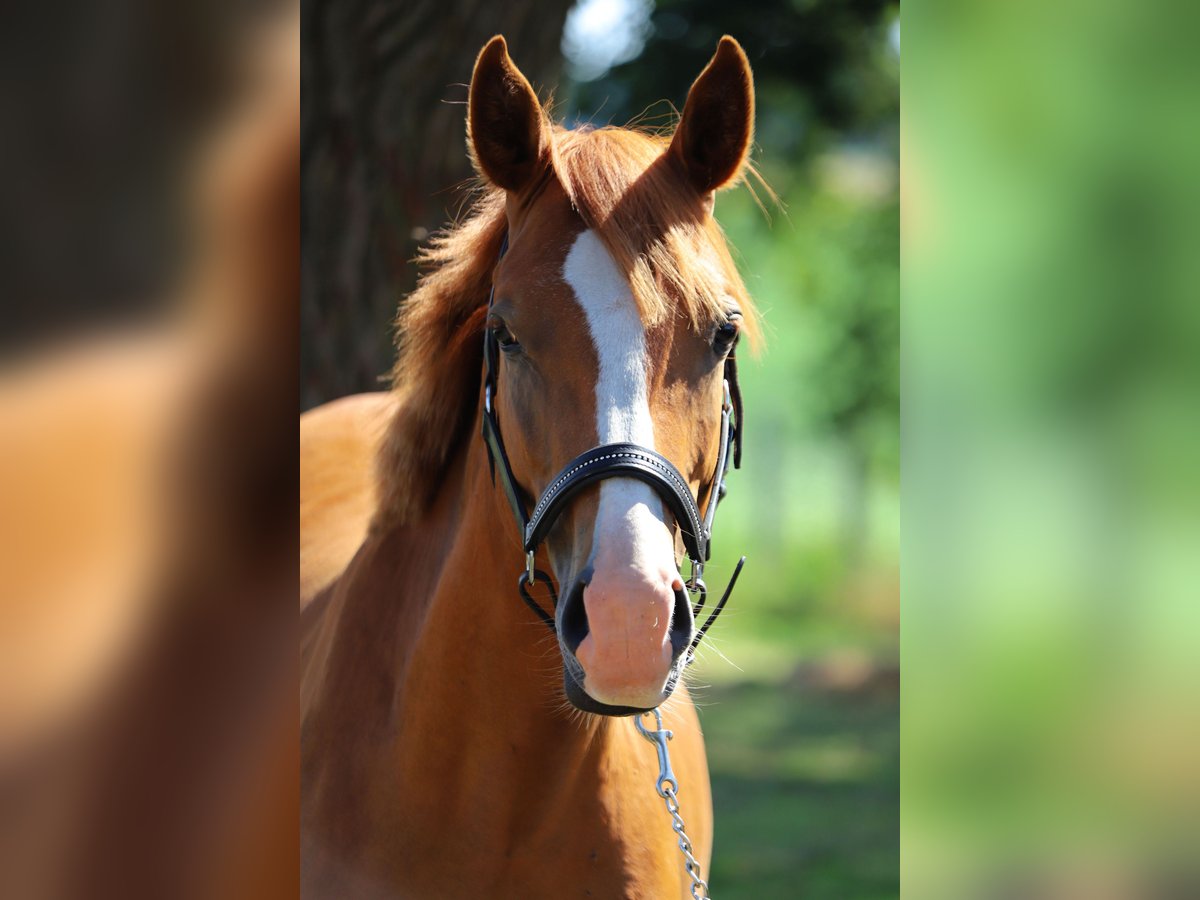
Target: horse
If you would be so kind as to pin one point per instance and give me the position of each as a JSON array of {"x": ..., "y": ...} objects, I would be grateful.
[{"x": 451, "y": 745}]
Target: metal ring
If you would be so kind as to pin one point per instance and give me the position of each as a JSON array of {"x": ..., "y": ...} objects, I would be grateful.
[{"x": 642, "y": 729}]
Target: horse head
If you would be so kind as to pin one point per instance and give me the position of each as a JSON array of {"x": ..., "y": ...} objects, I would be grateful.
[{"x": 614, "y": 309}]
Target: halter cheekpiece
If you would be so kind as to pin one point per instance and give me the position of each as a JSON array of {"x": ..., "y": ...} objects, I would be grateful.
[{"x": 612, "y": 461}]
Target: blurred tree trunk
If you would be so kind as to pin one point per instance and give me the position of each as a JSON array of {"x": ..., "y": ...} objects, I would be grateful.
[{"x": 383, "y": 99}]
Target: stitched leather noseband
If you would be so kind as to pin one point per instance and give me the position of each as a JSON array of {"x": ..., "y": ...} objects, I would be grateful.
[{"x": 616, "y": 461}]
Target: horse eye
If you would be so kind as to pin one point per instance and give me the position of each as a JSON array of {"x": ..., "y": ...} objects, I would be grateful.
[
  {"x": 726, "y": 336},
  {"x": 504, "y": 338}
]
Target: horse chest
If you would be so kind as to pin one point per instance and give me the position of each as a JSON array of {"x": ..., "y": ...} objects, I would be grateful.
[
  {"x": 597, "y": 837},
  {"x": 450, "y": 820}
]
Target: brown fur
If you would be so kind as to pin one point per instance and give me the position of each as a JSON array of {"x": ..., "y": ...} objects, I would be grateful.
[
  {"x": 338, "y": 445},
  {"x": 438, "y": 757}
]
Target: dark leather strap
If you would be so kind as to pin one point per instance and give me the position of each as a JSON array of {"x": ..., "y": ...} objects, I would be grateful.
[
  {"x": 735, "y": 395},
  {"x": 717, "y": 490},
  {"x": 630, "y": 461},
  {"x": 497, "y": 457}
]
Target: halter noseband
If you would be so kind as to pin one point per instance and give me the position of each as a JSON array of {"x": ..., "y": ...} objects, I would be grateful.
[{"x": 612, "y": 461}]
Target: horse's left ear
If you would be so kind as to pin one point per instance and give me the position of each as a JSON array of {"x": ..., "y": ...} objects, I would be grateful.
[{"x": 717, "y": 126}]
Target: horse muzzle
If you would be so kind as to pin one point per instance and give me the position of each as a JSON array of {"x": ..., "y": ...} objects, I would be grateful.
[{"x": 624, "y": 636}]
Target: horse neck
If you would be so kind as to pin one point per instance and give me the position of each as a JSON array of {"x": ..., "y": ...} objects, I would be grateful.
[
  {"x": 426, "y": 638},
  {"x": 480, "y": 648}
]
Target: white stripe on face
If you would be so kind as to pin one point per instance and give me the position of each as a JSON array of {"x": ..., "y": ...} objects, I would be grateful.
[{"x": 629, "y": 521}]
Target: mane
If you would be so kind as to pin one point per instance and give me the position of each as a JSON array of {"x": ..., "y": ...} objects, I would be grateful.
[{"x": 623, "y": 186}]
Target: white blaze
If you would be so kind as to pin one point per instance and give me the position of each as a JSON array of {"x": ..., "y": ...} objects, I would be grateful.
[{"x": 629, "y": 521}]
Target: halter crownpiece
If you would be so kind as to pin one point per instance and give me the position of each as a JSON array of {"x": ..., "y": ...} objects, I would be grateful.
[{"x": 621, "y": 460}]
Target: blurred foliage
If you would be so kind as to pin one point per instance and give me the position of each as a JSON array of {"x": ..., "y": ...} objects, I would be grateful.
[
  {"x": 801, "y": 715},
  {"x": 1052, "y": 513},
  {"x": 820, "y": 68}
]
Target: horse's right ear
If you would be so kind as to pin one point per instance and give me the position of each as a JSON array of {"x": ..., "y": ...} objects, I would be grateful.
[{"x": 506, "y": 128}]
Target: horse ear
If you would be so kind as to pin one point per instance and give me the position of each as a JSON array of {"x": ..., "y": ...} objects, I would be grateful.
[
  {"x": 714, "y": 133},
  {"x": 506, "y": 128}
]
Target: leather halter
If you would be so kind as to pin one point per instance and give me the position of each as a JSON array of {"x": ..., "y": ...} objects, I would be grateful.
[{"x": 621, "y": 460}]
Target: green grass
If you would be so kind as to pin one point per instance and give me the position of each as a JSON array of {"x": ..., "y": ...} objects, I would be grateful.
[{"x": 805, "y": 788}]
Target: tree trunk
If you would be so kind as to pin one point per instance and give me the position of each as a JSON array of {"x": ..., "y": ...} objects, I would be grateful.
[{"x": 384, "y": 89}]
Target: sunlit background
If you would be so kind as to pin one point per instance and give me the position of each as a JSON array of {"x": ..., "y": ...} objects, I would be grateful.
[{"x": 799, "y": 689}]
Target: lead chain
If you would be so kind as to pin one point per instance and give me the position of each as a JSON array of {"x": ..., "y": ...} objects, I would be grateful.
[
  {"x": 668, "y": 787},
  {"x": 691, "y": 864}
]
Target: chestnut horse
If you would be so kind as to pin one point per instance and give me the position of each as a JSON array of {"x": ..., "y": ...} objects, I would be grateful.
[{"x": 441, "y": 755}]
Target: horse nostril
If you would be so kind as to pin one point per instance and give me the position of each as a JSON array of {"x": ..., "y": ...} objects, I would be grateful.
[
  {"x": 573, "y": 625},
  {"x": 681, "y": 622}
]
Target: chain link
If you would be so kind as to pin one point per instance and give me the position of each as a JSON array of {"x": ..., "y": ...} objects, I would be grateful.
[
  {"x": 668, "y": 789},
  {"x": 691, "y": 864}
]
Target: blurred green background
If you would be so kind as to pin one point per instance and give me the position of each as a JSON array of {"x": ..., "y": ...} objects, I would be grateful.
[
  {"x": 1051, "y": 499},
  {"x": 799, "y": 687}
]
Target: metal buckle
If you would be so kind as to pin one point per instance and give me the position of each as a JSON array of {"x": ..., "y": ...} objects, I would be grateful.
[
  {"x": 659, "y": 737},
  {"x": 529, "y": 565},
  {"x": 487, "y": 395}
]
